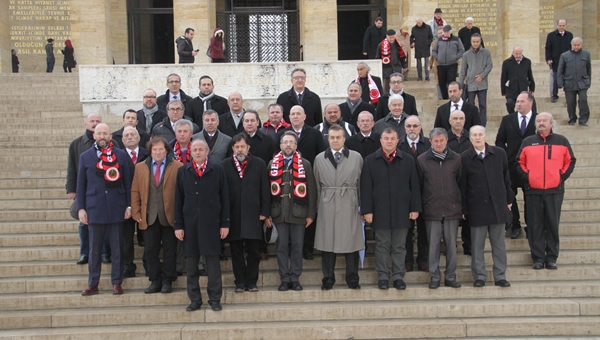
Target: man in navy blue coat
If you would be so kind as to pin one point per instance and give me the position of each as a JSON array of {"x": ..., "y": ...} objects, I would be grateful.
[{"x": 103, "y": 203}]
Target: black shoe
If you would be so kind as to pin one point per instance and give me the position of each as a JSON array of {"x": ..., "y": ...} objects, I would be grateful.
[
  {"x": 502, "y": 283},
  {"x": 240, "y": 289},
  {"x": 178, "y": 274},
  {"x": 193, "y": 306},
  {"x": 82, "y": 260},
  {"x": 128, "y": 273},
  {"x": 326, "y": 286},
  {"x": 202, "y": 272},
  {"x": 516, "y": 233},
  {"x": 166, "y": 287},
  {"x": 354, "y": 286},
  {"x": 551, "y": 265},
  {"x": 215, "y": 306},
  {"x": 582, "y": 124},
  {"x": 383, "y": 284},
  {"x": 399, "y": 284},
  {"x": 538, "y": 266},
  {"x": 308, "y": 256},
  {"x": 409, "y": 267},
  {"x": 252, "y": 289},
  {"x": 106, "y": 259},
  {"x": 479, "y": 283},
  {"x": 427, "y": 78},
  {"x": 572, "y": 122},
  {"x": 434, "y": 284},
  {"x": 284, "y": 286},
  {"x": 419, "y": 79},
  {"x": 296, "y": 286},
  {"x": 467, "y": 251},
  {"x": 554, "y": 99},
  {"x": 223, "y": 257},
  {"x": 453, "y": 284},
  {"x": 155, "y": 287}
]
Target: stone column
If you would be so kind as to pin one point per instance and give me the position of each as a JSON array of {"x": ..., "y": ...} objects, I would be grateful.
[
  {"x": 5, "y": 57},
  {"x": 521, "y": 27},
  {"x": 91, "y": 31},
  {"x": 199, "y": 15},
  {"x": 318, "y": 29}
]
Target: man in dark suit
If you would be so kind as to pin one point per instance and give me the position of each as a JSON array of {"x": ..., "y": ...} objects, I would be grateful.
[
  {"x": 442, "y": 118},
  {"x": 370, "y": 85},
  {"x": 299, "y": 94},
  {"x": 207, "y": 100},
  {"x": 354, "y": 105},
  {"x": 396, "y": 87},
  {"x": 516, "y": 76},
  {"x": 514, "y": 128},
  {"x": 365, "y": 142},
  {"x": 103, "y": 203},
  {"x": 202, "y": 221},
  {"x": 131, "y": 140},
  {"x": 373, "y": 36},
  {"x": 261, "y": 145},
  {"x": 333, "y": 116},
  {"x": 250, "y": 204},
  {"x": 557, "y": 43},
  {"x": 414, "y": 144},
  {"x": 230, "y": 123},
  {"x": 150, "y": 115},
  {"x": 166, "y": 128},
  {"x": 130, "y": 119},
  {"x": 174, "y": 92},
  {"x": 217, "y": 141}
]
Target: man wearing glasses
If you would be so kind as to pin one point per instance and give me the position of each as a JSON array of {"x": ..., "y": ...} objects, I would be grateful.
[
  {"x": 396, "y": 87},
  {"x": 150, "y": 114},
  {"x": 166, "y": 128},
  {"x": 174, "y": 92},
  {"x": 299, "y": 94}
]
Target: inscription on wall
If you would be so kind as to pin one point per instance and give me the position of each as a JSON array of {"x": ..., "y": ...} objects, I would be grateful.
[
  {"x": 547, "y": 25},
  {"x": 34, "y": 21}
]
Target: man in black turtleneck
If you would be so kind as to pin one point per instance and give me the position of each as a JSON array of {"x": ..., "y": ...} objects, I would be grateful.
[{"x": 207, "y": 100}]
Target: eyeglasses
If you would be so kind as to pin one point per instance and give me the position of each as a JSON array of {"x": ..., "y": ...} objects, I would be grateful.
[
  {"x": 299, "y": 78},
  {"x": 413, "y": 126},
  {"x": 173, "y": 82},
  {"x": 149, "y": 97},
  {"x": 396, "y": 82},
  {"x": 176, "y": 109}
]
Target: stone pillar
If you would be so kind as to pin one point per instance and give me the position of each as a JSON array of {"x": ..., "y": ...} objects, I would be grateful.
[
  {"x": 318, "y": 29},
  {"x": 521, "y": 26},
  {"x": 117, "y": 33},
  {"x": 5, "y": 46},
  {"x": 199, "y": 15},
  {"x": 590, "y": 32},
  {"x": 91, "y": 31}
]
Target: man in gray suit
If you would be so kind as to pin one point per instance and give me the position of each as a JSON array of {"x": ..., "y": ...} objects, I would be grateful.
[
  {"x": 575, "y": 75},
  {"x": 218, "y": 142}
]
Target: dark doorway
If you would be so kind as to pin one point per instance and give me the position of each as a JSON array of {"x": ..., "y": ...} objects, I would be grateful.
[
  {"x": 353, "y": 18},
  {"x": 151, "y": 37}
]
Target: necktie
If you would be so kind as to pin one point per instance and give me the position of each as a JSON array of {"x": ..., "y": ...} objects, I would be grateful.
[
  {"x": 455, "y": 107},
  {"x": 184, "y": 156},
  {"x": 413, "y": 147},
  {"x": 287, "y": 162},
  {"x": 133, "y": 157},
  {"x": 298, "y": 134},
  {"x": 480, "y": 155},
  {"x": 157, "y": 173},
  {"x": 523, "y": 125},
  {"x": 300, "y": 98},
  {"x": 337, "y": 157},
  {"x": 174, "y": 97}
]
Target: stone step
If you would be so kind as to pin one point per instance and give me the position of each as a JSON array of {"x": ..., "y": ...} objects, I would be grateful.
[
  {"x": 39, "y": 227},
  {"x": 34, "y": 215},
  {"x": 21, "y": 194},
  {"x": 35, "y": 204},
  {"x": 32, "y": 183}
]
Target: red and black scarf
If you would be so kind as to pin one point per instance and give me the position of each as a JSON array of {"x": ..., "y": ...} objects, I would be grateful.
[
  {"x": 440, "y": 21},
  {"x": 179, "y": 154},
  {"x": 386, "y": 51},
  {"x": 200, "y": 169},
  {"x": 373, "y": 90},
  {"x": 108, "y": 167},
  {"x": 241, "y": 167},
  {"x": 389, "y": 157},
  {"x": 281, "y": 124},
  {"x": 298, "y": 174}
]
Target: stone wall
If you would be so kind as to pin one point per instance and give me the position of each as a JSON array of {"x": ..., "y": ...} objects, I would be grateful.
[{"x": 5, "y": 46}]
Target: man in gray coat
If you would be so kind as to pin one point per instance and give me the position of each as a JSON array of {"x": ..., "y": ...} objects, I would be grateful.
[
  {"x": 575, "y": 75},
  {"x": 476, "y": 65},
  {"x": 217, "y": 141},
  {"x": 339, "y": 226},
  {"x": 447, "y": 51}
]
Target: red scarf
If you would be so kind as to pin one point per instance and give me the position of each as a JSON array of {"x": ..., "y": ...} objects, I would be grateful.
[
  {"x": 386, "y": 51},
  {"x": 299, "y": 181},
  {"x": 373, "y": 90},
  {"x": 107, "y": 166},
  {"x": 282, "y": 123},
  {"x": 391, "y": 156},
  {"x": 200, "y": 170},
  {"x": 440, "y": 21},
  {"x": 179, "y": 155},
  {"x": 241, "y": 168}
]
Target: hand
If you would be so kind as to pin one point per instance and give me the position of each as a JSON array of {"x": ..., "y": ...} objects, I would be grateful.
[
  {"x": 365, "y": 53},
  {"x": 308, "y": 222},
  {"x": 478, "y": 79},
  {"x": 413, "y": 215},
  {"x": 224, "y": 233},
  {"x": 510, "y": 206},
  {"x": 430, "y": 68},
  {"x": 368, "y": 218},
  {"x": 179, "y": 234},
  {"x": 549, "y": 62},
  {"x": 404, "y": 70},
  {"x": 262, "y": 218},
  {"x": 83, "y": 218},
  {"x": 194, "y": 53},
  {"x": 72, "y": 195},
  {"x": 532, "y": 93},
  {"x": 268, "y": 222},
  {"x": 464, "y": 217},
  {"x": 139, "y": 220},
  {"x": 412, "y": 45},
  {"x": 128, "y": 213}
]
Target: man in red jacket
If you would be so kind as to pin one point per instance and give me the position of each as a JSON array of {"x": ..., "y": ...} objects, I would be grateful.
[{"x": 546, "y": 160}]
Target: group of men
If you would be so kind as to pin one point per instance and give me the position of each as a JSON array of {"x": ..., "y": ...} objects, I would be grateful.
[{"x": 211, "y": 173}]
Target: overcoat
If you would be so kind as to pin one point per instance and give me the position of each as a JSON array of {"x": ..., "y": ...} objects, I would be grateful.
[
  {"x": 249, "y": 197},
  {"x": 201, "y": 208},
  {"x": 339, "y": 227}
]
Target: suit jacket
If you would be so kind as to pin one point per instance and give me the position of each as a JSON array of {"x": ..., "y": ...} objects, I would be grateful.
[
  {"x": 227, "y": 124},
  {"x": 118, "y": 137},
  {"x": 310, "y": 143},
  {"x": 217, "y": 103},
  {"x": 442, "y": 118},
  {"x": 158, "y": 117},
  {"x": 410, "y": 106},
  {"x": 140, "y": 190},
  {"x": 364, "y": 145},
  {"x": 141, "y": 156},
  {"x": 518, "y": 75},
  {"x": 165, "y": 129},
  {"x": 351, "y": 118},
  {"x": 364, "y": 84},
  {"x": 262, "y": 146},
  {"x": 104, "y": 205},
  {"x": 163, "y": 100},
  {"x": 220, "y": 150},
  {"x": 422, "y": 146},
  {"x": 557, "y": 44},
  {"x": 311, "y": 102},
  {"x": 509, "y": 135}
]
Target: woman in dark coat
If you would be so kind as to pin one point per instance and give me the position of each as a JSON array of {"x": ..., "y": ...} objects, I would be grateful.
[
  {"x": 217, "y": 47},
  {"x": 68, "y": 51}
]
